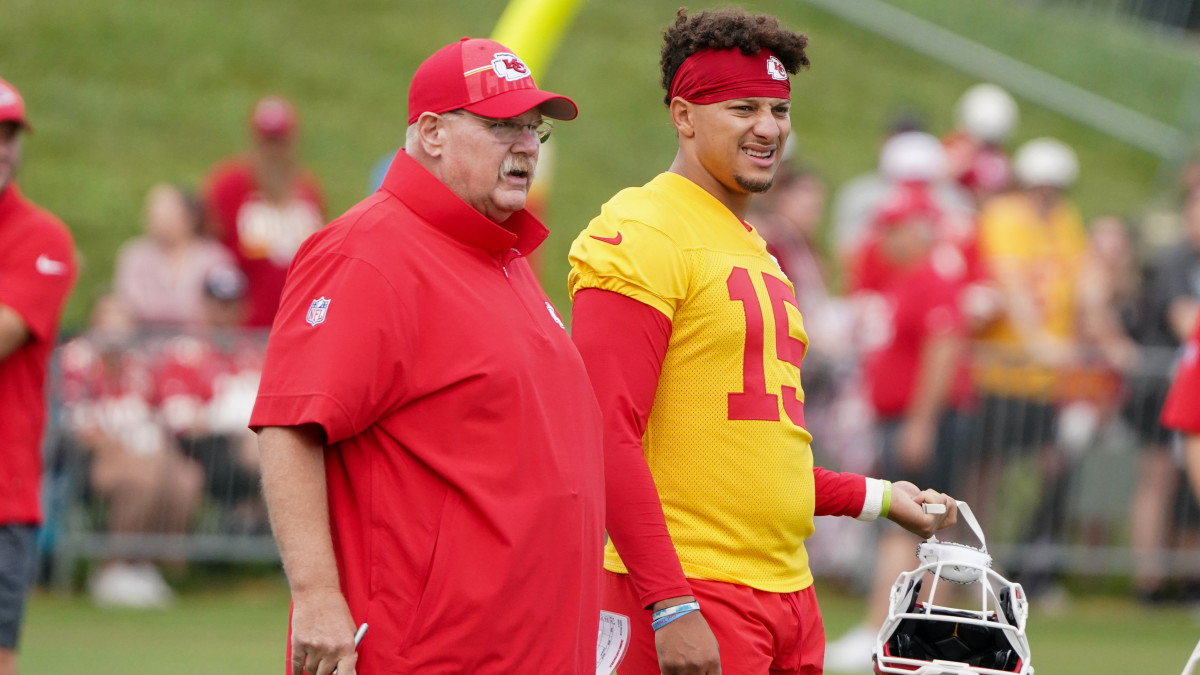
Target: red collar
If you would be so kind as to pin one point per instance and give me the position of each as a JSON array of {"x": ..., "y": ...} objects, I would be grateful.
[{"x": 435, "y": 203}]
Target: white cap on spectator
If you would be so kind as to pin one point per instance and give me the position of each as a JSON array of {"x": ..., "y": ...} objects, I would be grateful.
[
  {"x": 913, "y": 156},
  {"x": 987, "y": 113},
  {"x": 1046, "y": 162}
]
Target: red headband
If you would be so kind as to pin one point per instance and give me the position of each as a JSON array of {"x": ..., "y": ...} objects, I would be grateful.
[{"x": 712, "y": 75}]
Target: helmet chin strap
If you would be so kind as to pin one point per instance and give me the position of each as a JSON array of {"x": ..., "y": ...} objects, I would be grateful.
[{"x": 957, "y": 563}]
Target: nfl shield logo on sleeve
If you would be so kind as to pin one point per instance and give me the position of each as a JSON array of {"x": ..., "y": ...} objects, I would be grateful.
[{"x": 316, "y": 311}]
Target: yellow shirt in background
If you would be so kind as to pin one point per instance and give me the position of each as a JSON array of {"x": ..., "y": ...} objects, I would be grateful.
[{"x": 1046, "y": 255}]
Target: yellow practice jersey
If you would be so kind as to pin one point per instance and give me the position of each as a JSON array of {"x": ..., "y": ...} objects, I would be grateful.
[
  {"x": 1045, "y": 256},
  {"x": 725, "y": 440}
]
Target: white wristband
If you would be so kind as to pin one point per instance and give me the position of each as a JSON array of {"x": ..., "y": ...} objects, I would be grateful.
[{"x": 873, "y": 502}]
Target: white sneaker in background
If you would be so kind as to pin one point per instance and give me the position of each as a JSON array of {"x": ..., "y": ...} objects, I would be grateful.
[
  {"x": 851, "y": 653},
  {"x": 155, "y": 590},
  {"x": 136, "y": 586}
]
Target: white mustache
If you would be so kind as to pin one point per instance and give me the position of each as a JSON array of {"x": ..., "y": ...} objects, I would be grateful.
[{"x": 519, "y": 163}]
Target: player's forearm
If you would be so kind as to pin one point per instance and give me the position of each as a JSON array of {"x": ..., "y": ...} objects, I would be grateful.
[
  {"x": 638, "y": 529},
  {"x": 293, "y": 477}
]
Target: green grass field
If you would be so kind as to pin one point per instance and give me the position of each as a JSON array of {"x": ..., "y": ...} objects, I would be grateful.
[
  {"x": 241, "y": 629},
  {"x": 124, "y": 93}
]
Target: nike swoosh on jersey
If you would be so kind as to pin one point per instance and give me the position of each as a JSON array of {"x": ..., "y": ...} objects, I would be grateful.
[
  {"x": 45, "y": 265},
  {"x": 609, "y": 240}
]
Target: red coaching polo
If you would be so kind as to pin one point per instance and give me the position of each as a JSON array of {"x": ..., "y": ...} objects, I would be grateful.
[
  {"x": 464, "y": 460},
  {"x": 37, "y": 269}
]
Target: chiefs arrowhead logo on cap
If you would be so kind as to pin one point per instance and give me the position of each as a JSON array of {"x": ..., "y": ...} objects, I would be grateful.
[
  {"x": 7, "y": 95},
  {"x": 509, "y": 67},
  {"x": 775, "y": 69}
]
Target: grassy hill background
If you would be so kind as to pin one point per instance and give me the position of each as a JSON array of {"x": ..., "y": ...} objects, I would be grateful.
[{"x": 125, "y": 93}]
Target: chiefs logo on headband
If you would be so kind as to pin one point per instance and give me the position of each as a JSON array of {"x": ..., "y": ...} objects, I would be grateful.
[
  {"x": 713, "y": 75},
  {"x": 509, "y": 67},
  {"x": 775, "y": 69}
]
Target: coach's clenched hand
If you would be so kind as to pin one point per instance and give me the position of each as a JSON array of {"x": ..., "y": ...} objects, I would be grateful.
[
  {"x": 322, "y": 634},
  {"x": 687, "y": 646},
  {"x": 906, "y": 510}
]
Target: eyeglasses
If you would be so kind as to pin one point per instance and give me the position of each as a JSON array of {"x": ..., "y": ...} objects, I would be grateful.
[{"x": 507, "y": 131}]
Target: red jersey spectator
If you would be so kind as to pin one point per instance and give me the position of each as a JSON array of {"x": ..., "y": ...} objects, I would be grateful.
[
  {"x": 262, "y": 206},
  {"x": 916, "y": 375},
  {"x": 208, "y": 380},
  {"x": 37, "y": 270}
]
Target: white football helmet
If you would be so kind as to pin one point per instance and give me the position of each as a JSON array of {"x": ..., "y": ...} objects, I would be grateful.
[
  {"x": 987, "y": 113},
  {"x": 1046, "y": 162},
  {"x": 923, "y": 638}
]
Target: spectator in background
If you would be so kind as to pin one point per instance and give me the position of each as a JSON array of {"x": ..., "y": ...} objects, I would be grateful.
[
  {"x": 160, "y": 276},
  {"x": 986, "y": 118},
  {"x": 1033, "y": 241},
  {"x": 1166, "y": 312},
  {"x": 910, "y": 157},
  {"x": 262, "y": 206},
  {"x": 788, "y": 216},
  {"x": 208, "y": 380},
  {"x": 1109, "y": 287},
  {"x": 37, "y": 270},
  {"x": 110, "y": 402},
  {"x": 917, "y": 378}
]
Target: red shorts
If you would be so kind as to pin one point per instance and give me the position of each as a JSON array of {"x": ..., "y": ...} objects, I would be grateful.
[{"x": 758, "y": 632}]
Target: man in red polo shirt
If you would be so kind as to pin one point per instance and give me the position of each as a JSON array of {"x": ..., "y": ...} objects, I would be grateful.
[
  {"x": 431, "y": 446},
  {"x": 37, "y": 269},
  {"x": 264, "y": 204}
]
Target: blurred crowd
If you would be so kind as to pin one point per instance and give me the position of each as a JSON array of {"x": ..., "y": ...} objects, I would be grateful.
[
  {"x": 956, "y": 299},
  {"x": 156, "y": 394}
]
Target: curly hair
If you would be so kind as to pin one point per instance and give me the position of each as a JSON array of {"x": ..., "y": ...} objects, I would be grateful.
[{"x": 725, "y": 29}]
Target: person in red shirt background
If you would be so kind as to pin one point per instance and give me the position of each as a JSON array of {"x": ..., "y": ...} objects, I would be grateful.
[
  {"x": 207, "y": 381},
  {"x": 910, "y": 283},
  {"x": 37, "y": 271},
  {"x": 264, "y": 204}
]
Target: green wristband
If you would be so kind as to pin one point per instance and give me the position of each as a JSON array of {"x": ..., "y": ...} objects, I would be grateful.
[{"x": 887, "y": 499}]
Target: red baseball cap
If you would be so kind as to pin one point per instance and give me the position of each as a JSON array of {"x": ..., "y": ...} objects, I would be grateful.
[
  {"x": 908, "y": 202},
  {"x": 274, "y": 117},
  {"x": 483, "y": 77},
  {"x": 12, "y": 106}
]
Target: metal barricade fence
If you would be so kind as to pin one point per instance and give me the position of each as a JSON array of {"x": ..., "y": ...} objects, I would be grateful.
[
  {"x": 151, "y": 459},
  {"x": 1068, "y": 469}
]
